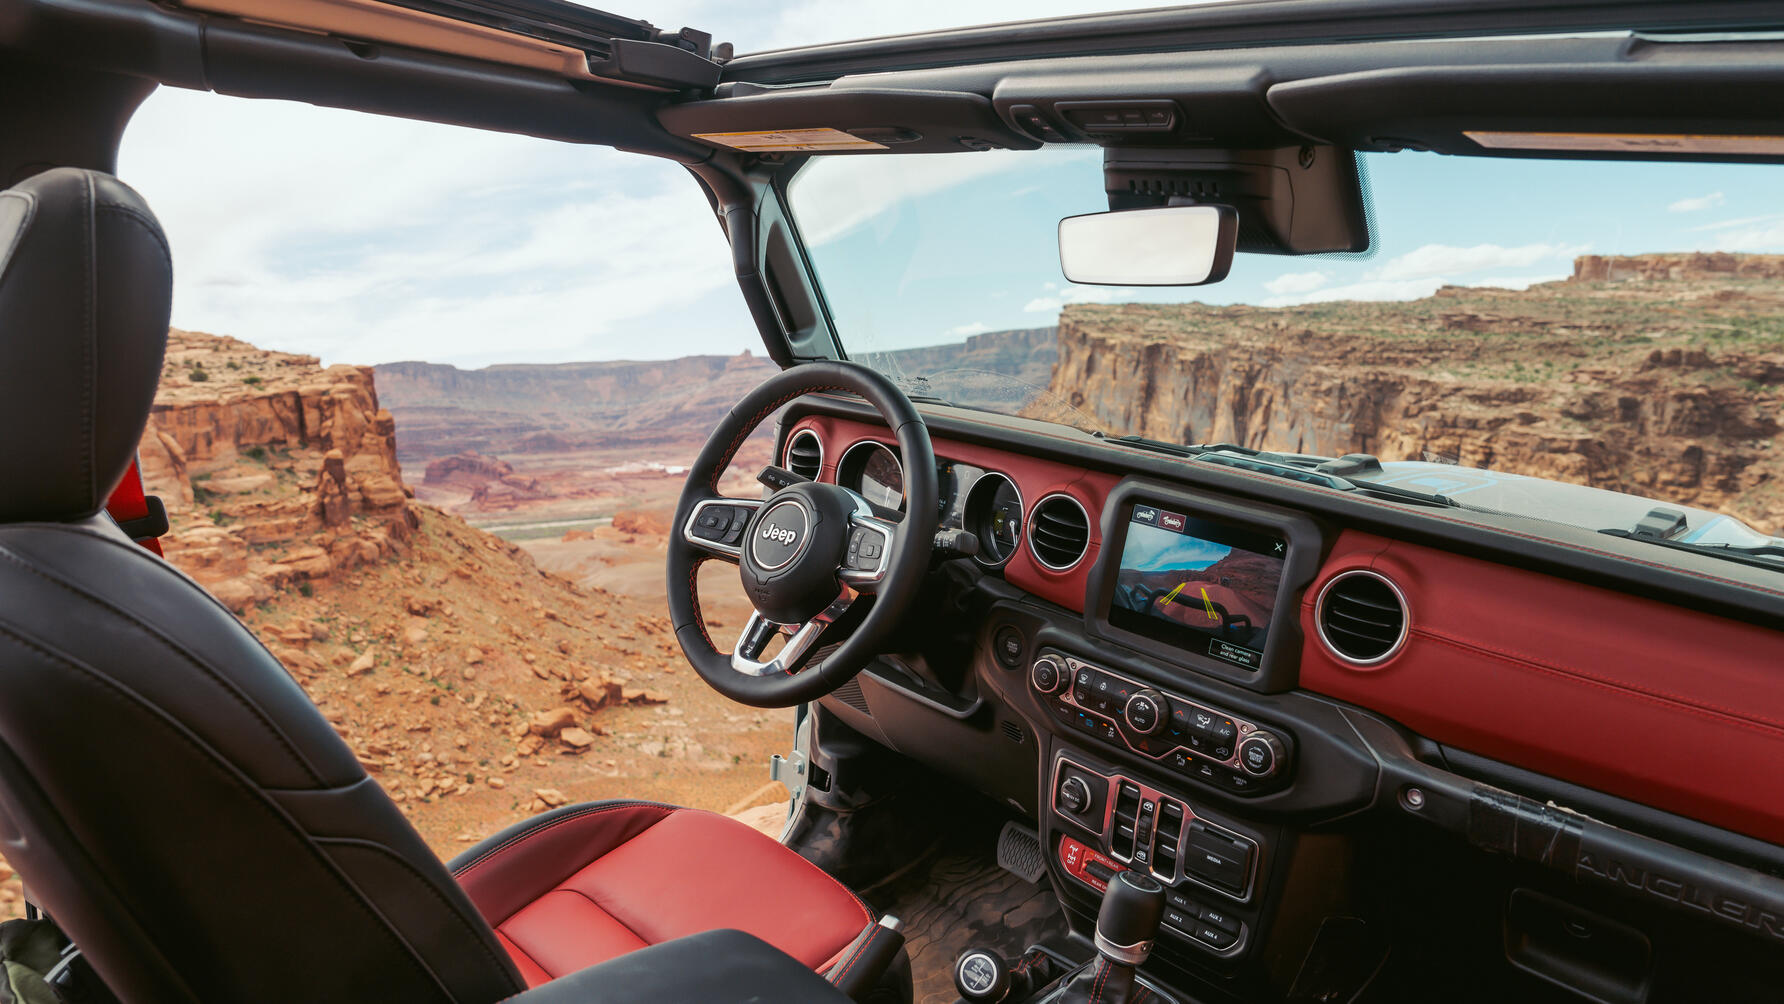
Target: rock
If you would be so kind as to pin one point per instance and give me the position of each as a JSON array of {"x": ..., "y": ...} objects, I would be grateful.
[
  {"x": 598, "y": 692},
  {"x": 6, "y": 871},
  {"x": 416, "y": 634},
  {"x": 551, "y": 797},
  {"x": 308, "y": 562},
  {"x": 576, "y": 738},
  {"x": 550, "y": 723},
  {"x": 473, "y": 656},
  {"x": 422, "y": 606},
  {"x": 238, "y": 593},
  {"x": 638, "y": 522},
  {"x": 363, "y": 664},
  {"x": 239, "y": 485},
  {"x": 572, "y": 536},
  {"x": 495, "y": 782},
  {"x": 638, "y": 695}
]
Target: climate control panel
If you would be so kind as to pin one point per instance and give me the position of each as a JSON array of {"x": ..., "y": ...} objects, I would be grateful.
[{"x": 1191, "y": 739}]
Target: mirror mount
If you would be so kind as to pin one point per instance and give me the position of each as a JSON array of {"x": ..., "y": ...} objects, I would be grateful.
[{"x": 1291, "y": 200}]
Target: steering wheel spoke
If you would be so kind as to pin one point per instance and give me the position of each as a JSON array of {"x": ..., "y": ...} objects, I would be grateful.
[
  {"x": 758, "y": 632},
  {"x": 716, "y": 525},
  {"x": 871, "y": 543}
]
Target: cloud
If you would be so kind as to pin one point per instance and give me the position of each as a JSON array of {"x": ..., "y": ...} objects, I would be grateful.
[
  {"x": 1768, "y": 237},
  {"x": 837, "y": 195},
  {"x": 1297, "y": 282},
  {"x": 1054, "y": 301},
  {"x": 1402, "y": 289},
  {"x": 1696, "y": 203},
  {"x": 365, "y": 239},
  {"x": 975, "y": 328},
  {"x": 1738, "y": 222},
  {"x": 1434, "y": 260}
]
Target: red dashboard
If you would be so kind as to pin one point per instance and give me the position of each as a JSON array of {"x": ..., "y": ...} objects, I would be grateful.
[{"x": 1668, "y": 707}]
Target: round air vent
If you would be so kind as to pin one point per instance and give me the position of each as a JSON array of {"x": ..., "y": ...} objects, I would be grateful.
[
  {"x": 1361, "y": 617},
  {"x": 1058, "y": 532},
  {"x": 805, "y": 454}
]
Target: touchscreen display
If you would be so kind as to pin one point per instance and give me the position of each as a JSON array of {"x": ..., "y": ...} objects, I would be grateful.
[{"x": 1206, "y": 586}]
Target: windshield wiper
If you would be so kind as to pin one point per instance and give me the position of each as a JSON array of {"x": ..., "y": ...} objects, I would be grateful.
[
  {"x": 1257, "y": 461},
  {"x": 1770, "y": 556}
]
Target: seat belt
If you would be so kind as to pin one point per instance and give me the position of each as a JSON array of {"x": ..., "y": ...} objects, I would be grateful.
[{"x": 142, "y": 517}]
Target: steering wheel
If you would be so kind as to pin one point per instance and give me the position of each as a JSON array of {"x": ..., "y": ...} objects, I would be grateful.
[{"x": 806, "y": 554}]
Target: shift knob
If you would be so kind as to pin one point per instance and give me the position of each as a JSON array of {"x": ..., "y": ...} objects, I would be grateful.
[
  {"x": 1127, "y": 924},
  {"x": 981, "y": 976}
]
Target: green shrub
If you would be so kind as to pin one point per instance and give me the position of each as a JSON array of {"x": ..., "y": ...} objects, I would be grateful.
[{"x": 198, "y": 375}]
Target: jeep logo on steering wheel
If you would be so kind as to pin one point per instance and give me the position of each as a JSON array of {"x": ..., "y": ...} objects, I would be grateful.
[{"x": 780, "y": 538}]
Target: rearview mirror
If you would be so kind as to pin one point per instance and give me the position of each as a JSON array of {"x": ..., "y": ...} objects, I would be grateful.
[{"x": 1164, "y": 246}]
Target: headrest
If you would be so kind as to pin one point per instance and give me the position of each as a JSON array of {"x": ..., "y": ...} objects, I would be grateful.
[{"x": 86, "y": 283}]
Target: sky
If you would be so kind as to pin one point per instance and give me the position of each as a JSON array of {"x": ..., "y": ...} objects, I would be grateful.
[
  {"x": 1152, "y": 549},
  {"x": 365, "y": 239}
]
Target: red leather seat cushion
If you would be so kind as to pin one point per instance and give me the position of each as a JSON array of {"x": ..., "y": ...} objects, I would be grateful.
[{"x": 610, "y": 879}]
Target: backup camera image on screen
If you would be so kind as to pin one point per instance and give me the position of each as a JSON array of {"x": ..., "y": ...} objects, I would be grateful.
[{"x": 1209, "y": 587}]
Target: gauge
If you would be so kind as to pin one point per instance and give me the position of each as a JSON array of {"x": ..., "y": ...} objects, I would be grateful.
[
  {"x": 873, "y": 470},
  {"x": 994, "y": 515}
]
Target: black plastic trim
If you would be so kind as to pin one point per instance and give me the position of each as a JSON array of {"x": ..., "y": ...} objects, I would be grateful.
[{"x": 1279, "y": 669}]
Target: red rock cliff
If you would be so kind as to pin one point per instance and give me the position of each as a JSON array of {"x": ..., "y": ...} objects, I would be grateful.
[{"x": 273, "y": 468}]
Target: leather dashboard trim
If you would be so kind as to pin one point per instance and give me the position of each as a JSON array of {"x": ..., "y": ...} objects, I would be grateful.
[{"x": 1673, "y": 708}]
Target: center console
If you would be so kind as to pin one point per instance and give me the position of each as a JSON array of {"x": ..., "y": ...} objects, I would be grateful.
[
  {"x": 1108, "y": 822},
  {"x": 1196, "y": 741}
]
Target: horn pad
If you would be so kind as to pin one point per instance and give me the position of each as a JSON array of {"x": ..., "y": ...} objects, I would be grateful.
[{"x": 792, "y": 550}]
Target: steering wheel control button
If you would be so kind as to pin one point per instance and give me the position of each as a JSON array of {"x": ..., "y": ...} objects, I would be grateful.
[
  {"x": 780, "y": 535},
  {"x": 1260, "y": 754},
  {"x": 1074, "y": 795},
  {"x": 1146, "y": 712},
  {"x": 1047, "y": 674}
]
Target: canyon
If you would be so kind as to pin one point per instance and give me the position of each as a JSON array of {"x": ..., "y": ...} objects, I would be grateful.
[{"x": 1658, "y": 375}]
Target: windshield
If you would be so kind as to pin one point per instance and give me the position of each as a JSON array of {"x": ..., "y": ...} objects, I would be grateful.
[{"x": 1613, "y": 325}]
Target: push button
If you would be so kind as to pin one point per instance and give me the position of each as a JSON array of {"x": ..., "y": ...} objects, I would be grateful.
[{"x": 1007, "y": 643}]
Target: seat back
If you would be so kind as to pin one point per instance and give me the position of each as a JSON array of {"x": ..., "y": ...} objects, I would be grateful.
[{"x": 167, "y": 792}]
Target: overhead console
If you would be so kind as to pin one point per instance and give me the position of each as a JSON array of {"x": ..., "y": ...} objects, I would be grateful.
[{"x": 1203, "y": 582}]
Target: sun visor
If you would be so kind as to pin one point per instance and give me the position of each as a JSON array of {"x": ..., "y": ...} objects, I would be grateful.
[
  {"x": 833, "y": 120},
  {"x": 1684, "y": 102}
]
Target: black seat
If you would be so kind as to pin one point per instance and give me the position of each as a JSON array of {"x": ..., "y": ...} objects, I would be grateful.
[{"x": 167, "y": 792}]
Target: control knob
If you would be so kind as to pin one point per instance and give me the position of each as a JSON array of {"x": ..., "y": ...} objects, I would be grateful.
[
  {"x": 1261, "y": 754},
  {"x": 1147, "y": 712},
  {"x": 1047, "y": 674},
  {"x": 1074, "y": 795}
]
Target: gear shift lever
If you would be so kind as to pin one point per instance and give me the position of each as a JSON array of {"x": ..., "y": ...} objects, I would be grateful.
[
  {"x": 1133, "y": 906},
  {"x": 1126, "y": 927}
]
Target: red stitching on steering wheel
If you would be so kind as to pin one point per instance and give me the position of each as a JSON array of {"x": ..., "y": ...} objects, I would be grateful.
[{"x": 724, "y": 461}]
